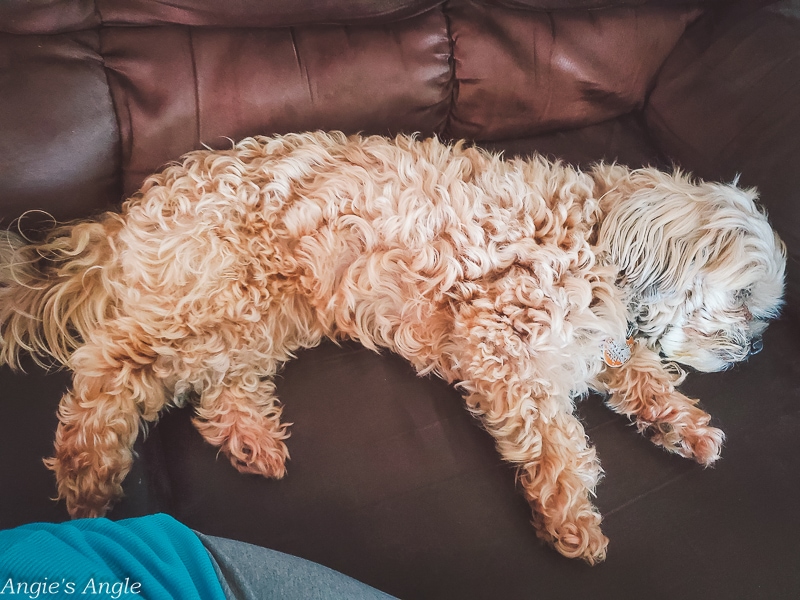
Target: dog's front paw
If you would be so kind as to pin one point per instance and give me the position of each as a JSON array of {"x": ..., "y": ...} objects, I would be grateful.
[
  {"x": 696, "y": 441},
  {"x": 704, "y": 444}
]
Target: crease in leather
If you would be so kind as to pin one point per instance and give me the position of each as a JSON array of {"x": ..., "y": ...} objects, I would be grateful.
[
  {"x": 301, "y": 66},
  {"x": 196, "y": 80}
]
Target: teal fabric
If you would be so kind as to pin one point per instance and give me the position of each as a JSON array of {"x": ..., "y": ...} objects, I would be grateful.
[{"x": 151, "y": 557}]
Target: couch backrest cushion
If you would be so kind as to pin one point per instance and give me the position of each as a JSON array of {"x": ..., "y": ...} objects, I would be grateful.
[
  {"x": 57, "y": 16},
  {"x": 59, "y": 148},
  {"x": 259, "y": 13},
  {"x": 88, "y": 114},
  {"x": 525, "y": 72},
  {"x": 231, "y": 83}
]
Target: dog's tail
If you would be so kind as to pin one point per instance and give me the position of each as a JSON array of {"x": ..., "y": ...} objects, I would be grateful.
[{"x": 53, "y": 293}]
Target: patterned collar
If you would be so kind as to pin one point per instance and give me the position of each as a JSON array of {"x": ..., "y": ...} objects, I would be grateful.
[{"x": 618, "y": 352}]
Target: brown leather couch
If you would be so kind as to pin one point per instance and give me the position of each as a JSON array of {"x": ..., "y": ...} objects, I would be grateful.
[{"x": 391, "y": 481}]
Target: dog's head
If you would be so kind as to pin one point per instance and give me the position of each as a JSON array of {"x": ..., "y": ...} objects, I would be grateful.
[{"x": 701, "y": 266}]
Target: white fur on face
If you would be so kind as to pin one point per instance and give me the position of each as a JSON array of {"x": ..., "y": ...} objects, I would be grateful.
[{"x": 703, "y": 268}]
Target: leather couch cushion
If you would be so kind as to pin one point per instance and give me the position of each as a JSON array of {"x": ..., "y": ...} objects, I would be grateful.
[
  {"x": 622, "y": 140},
  {"x": 258, "y": 13},
  {"x": 113, "y": 105},
  {"x": 59, "y": 147},
  {"x": 398, "y": 77},
  {"x": 47, "y": 16},
  {"x": 529, "y": 72},
  {"x": 593, "y": 4},
  {"x": 233, "y": 83},
  {"x": 56, "y": 16},
  {"x": 393, "y": 482}
]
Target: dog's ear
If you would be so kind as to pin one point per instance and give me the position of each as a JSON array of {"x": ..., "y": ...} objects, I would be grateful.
[
  {"x": 669, "y": 235},
  {"x": 654, "y": 231},
  {"x": 611, "y": 182}
]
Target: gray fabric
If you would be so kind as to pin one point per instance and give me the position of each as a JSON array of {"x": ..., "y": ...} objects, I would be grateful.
[
  {"x": 249, "y": 572},
  {"x": 788, "y": 8}
]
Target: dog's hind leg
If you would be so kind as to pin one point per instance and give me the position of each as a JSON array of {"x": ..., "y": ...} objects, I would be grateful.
[
  {"x": 644, "y": 390},
  {"x": 99, "y": 421},
  {"x": 242, "y": 418},
  {"x": 532, "y": 423}
]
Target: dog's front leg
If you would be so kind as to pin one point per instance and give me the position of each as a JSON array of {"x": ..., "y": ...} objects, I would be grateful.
[
  {"x": 643, "y": 389},
  {"x": 532, "y": 422}
]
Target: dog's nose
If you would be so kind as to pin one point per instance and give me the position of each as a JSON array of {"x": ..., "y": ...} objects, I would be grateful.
[{"x": 756, "y": 345}]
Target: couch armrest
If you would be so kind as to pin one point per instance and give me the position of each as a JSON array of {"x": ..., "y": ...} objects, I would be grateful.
[{"x": 727, "y": 101}]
